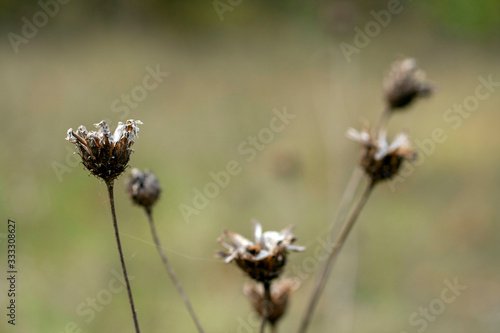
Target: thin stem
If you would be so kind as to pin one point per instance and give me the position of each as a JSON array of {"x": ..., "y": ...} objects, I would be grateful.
[
  {"x": 171, "y": 272},
  {"x": 267, "y": 305},
  {"x": 122, "y": 260},
  {"x": 352, "y": 186},
  {"x": 357, "y": 175},
  {"x": 263, "y": 324},
  {"x": 334, "y": 251}
]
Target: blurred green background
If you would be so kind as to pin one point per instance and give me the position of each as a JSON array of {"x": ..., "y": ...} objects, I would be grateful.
[{"x": 225, "y": 78}]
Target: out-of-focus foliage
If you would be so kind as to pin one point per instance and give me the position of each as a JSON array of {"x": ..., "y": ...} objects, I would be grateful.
[{"x": 460, "y": 17}]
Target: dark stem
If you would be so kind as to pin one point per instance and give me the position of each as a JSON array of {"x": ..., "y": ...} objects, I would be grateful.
[
  {"x": 122, "y": 260},
  {"x": 334, "y": 251},
  {"x": 170, "y": 270},
  {"x": 267, "y": 305}
]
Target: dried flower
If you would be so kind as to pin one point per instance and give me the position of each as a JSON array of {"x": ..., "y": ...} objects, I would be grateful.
[
  {"x": 104, "y": 155},
  {"x": 379, "y": 159},
  {"x": 143, "y": 188},
  {"x": 264, "y": 258},
  {"x": 405, "y": 82},
  {"x": 280, "y": 293}
]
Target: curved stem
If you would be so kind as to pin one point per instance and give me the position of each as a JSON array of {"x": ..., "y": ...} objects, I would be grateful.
[
  {"x": 122, "y": 260},
  {"x": 170, "y": 270},
  {"x": 267, "y": 305},
  {"x": 334, "y": 251}
]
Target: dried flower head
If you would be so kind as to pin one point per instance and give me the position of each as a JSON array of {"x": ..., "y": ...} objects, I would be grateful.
[
  {"x": 143, "y": 188},
  {"x": 264, "y": 258},
  {"x": 280, "y": 293},
  {"x": 379, "y": 159},
  {"x": 405, "y": 82},
  {"x": 104, "y": 155}
]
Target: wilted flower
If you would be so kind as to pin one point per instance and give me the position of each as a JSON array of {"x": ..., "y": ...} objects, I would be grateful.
[
  {"x": 405, "y": 82},
  {"x": 104, "y": 155},
  {"x": 143, "y": 188},
  {"x": 280, "y": 293},
  {"x": 264, "y": 258},
  {"x": 379, "y": 159}
]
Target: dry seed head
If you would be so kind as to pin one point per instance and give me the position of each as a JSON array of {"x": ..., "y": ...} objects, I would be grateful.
[
  {"x": 280, "y": 294},
  {"x": 379, "y": 159},
  {"x": 262, "y": 259},
  {"x": 404, "y": 83},
  {"x": 143, "y": 188},
  {"x": 104, "y": 155}
]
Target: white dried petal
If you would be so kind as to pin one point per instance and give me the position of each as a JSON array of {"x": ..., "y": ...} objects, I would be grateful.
[
  {"x": 237, "y": 240},
  {"x": 270, "y": 239},
  {"x": 117, "y": 135},
  {"x": 400, "y": 141},
  {"x": 82, "y": 130},
  {"x": 361, "y": 136},
  {"x": 71, "y": 138},
  {"x": 288, "y": 231},
  {"x": 409, "y": 64},
  {"x": 263, "y": 254},
  {"x": 295, "y": 248},
  {"x": 257, "y": 231}
]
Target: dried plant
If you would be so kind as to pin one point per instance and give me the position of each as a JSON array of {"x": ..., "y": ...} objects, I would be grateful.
[
  {"x": 379, "y": 160},
  {"x": 280, "y": 294},
  {"x": 144, "y": 190},
  {"x": 106, "y": 156},
  {"x": 262, "y": 259},
  {"x": 404, "y": 83}
]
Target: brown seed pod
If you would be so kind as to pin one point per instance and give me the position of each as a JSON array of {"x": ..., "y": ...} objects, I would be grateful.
[{"x": 104, "y": 155}]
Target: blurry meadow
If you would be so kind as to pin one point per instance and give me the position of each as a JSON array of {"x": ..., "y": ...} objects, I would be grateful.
[{"x": 224, "y": 80}]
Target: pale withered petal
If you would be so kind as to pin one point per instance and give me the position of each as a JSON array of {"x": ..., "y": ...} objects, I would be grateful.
[
  {"x": 262, "y": 259},
  {"x": 105, "y": 156},
  {"x": 404, "y": 83},
  {"x": 143, "y": 188},
  {"x": 379, "y": 159}
]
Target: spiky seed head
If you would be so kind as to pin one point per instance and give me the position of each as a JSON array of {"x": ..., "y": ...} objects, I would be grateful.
[
  {"x": 264, "y": 258},
  {"x": 143, "y": 188},
  {"x": 106, "y": 156},
  {"x": 404, "y": 83},
  {"x": 379, "y": 159}
]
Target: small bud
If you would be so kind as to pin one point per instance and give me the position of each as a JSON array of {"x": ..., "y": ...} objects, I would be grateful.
[
  {"x": 379, "y": 159},
  {"x": 104, "y": 155},
  {"x": 264, "y": 258},
  {"x": 143, "y": 188},
  {"x": 280, "y": 294},
  {"x": 404, "y": 83}
]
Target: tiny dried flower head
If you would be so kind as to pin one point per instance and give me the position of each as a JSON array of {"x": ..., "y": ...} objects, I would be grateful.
[
  {"x": 262, "y": 259},
  {"x": 143, "y": 188},
  {"x": 404, "y": 83},
  {"x": 280, "y": 294},
  {"x": 104, "y": 154},
  {"x": 379, "y": 159}
]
